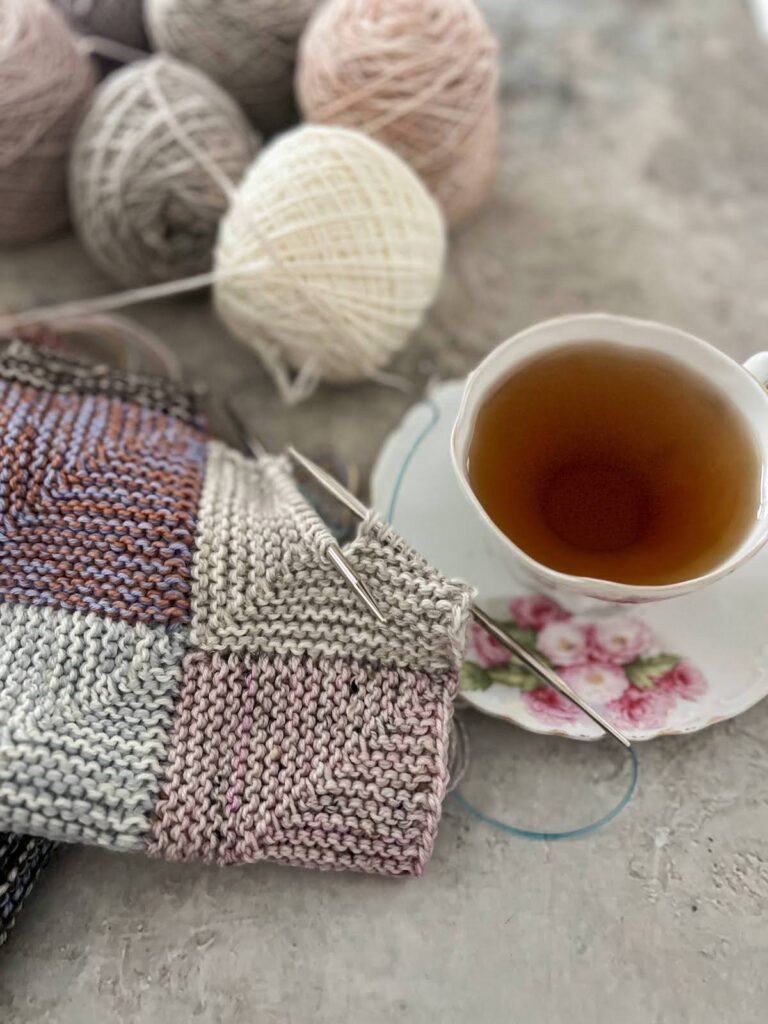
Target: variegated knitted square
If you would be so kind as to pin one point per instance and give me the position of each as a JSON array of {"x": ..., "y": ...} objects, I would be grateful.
[{"x": 181, "y": 669}]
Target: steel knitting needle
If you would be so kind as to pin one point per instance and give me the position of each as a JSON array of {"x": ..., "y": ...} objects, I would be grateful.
[
  {"x": 256, "y": 449},
  {"x": 545, "y": 672},
  {"x": 540, "y": 668},
  {"x": 361, "y": 590},
  {"x": 330, "y": 483}
]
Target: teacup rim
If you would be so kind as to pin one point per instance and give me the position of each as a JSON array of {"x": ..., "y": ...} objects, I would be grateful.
[{"x": 588, "y": 585}]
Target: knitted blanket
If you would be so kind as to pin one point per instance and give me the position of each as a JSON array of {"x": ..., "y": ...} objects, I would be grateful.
[{"x": 181, "y": 670}]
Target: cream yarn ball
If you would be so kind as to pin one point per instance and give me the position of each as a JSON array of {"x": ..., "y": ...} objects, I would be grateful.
[
  {"x": 153, "y": 168},
  {"x": 45, "y": 82},
  {"x": 248, "y": 46},
  {"x": 420, "y": 76},
  {"x": 328, "y": 257}
]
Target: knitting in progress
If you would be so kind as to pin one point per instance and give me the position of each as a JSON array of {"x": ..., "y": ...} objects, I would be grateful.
[{"x": 181, "y": 671}]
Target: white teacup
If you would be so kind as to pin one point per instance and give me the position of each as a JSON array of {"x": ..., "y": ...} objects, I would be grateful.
[{"x": 742, "y": 386}]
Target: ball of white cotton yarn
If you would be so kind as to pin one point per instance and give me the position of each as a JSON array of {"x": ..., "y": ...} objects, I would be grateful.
[
  {"x": 328, "y": 257},
  {"x": 248, "y": 46},
  {"x": 153, "y": 168}
]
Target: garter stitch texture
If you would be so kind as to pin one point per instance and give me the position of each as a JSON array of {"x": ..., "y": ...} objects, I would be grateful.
[
  {"x": 22, "y": 858},
  {"x": 181, "y": 671}
]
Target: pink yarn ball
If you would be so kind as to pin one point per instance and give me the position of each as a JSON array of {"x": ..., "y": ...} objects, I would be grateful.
[
  {"x": 418, "y": 75},
  {"x": 45, "y": 80}
]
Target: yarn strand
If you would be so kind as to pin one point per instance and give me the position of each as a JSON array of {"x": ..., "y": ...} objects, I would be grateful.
[
  {"x": 185, "y": 139},
  {"x": 104, "y": 303},
  {"x": 120, "y": 53}
]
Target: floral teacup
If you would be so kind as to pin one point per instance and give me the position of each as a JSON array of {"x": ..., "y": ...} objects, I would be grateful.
[{"x": 741, "y": 386}]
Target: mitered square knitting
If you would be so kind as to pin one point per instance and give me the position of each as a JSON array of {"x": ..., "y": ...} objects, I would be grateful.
[{"x": 181, "y": 670}]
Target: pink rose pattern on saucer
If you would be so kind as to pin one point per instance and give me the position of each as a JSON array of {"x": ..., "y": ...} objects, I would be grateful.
[{"x": 614, "y": 663}]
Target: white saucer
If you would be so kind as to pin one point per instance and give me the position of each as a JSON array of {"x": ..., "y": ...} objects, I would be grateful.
[{"x": 660, "y": 669}]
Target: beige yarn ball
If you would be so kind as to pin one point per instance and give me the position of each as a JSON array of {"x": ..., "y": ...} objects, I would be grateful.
[
  {"x": 154, "y": 165},
  {"x": 248, "y": 46},
  {"x": 328, "y": 258},
  {"x": 420, "y": 76},
  {"x": 45, "y": 81}
]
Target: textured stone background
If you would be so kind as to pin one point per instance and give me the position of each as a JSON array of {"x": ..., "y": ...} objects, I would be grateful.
[{"x": 634, "y": 180}]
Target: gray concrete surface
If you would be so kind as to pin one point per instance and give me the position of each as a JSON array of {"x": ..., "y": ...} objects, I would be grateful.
[{"x": 635, "y": 179}]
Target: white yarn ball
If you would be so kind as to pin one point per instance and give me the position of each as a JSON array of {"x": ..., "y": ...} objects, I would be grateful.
[
  {"x": 328, "y": 257},
  {"x": 248, "y": 46},
  {"x": 155, "y": 162}
]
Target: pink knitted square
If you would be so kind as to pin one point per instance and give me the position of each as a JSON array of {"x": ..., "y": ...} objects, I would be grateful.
[{"x": 323, "y": 763}]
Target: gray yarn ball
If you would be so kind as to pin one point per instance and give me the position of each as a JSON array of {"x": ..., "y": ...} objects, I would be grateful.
[
  {"x": 153, "y": 167},
  {"x": 120, "y": 20},
  {"x": 248, "y": 46}
]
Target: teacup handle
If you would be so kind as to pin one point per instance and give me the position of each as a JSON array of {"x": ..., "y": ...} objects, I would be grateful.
[{"x": 757, "y": 365}]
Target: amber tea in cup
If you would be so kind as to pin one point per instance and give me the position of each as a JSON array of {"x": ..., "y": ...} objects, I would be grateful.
[{"x": 619, "y": 464}]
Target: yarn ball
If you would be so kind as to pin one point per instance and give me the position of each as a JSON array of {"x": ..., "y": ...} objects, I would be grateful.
[
  {"x": 418, "y": 75},
  {"x": 120, "y": 20},
  {"x": 154, "y": 164},
  {"x": 45, "y": 81},
  {"x": 248, "y": 46},
  {"x": 328, "y": 258}
]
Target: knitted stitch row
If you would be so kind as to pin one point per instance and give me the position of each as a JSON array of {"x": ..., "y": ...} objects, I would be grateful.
[
  {"x": 181, "y": 671},
  {"x": 22, "y": 858},
  {"x": 69, "y": 375}
]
